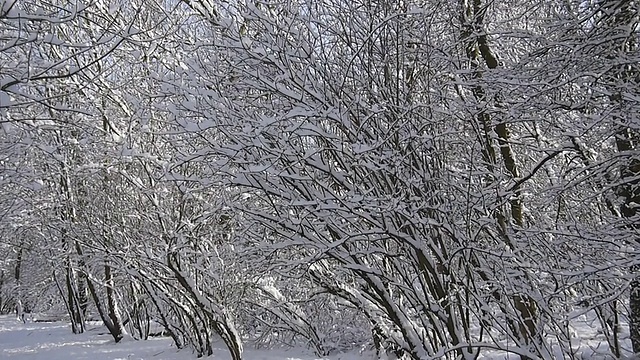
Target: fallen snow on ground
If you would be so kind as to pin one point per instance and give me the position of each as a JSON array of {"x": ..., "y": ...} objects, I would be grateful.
[{"x": 54, "y": 341}]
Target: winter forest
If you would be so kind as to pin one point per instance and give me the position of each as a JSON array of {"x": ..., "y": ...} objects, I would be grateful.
[{"x": 430, "y": 178}]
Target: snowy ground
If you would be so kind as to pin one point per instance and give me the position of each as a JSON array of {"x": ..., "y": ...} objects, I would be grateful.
[{"x": 54, "y": 341}]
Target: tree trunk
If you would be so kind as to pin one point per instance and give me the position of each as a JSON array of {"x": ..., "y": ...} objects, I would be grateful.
[
  {"x": 104, "y": 315},
  {"x": 216, "y": 316},
  {"x": 110, "y": 317},
  {"x": 630, "y": 193},
  {"x": 112, "y": 306},
  {"x": 18, "y": 295},
  {"x": 76, "y": 318},
  {"x": 624, "y": 80},
  {"x": 478, "y": 49}
]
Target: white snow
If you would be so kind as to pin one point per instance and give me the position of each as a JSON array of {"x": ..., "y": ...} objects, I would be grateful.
[{"x": 54, "y": 341}]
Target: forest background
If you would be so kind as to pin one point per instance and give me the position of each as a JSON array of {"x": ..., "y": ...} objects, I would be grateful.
[{"x": 432, "y": 178}]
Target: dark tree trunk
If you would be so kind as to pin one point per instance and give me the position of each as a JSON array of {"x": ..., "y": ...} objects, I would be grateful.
[
  {"x": 104, "y": 315},
  {"x": 110, "y": 316},
  {"x": 525, "y": 327},
  {"x": 112, "y": 306},
  {"x": 75, "y": 313},
  {"x": 629, "y": 191},
  {"x": 624, "y": 80}
]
